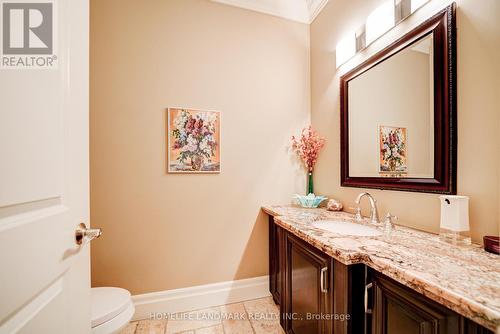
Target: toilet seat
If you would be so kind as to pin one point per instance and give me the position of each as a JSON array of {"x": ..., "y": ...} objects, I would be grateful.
[{"x": 111, "y": 309}]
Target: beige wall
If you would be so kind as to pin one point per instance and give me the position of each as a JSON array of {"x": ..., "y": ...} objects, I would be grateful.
[
  {"x": 164, "y": 231},
  {"x": 478, "y": 110}
]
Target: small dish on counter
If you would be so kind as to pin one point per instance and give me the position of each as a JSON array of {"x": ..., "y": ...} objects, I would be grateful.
[
  {"x": 309, "y": 201},
  {"x": 334, "y": 205}
]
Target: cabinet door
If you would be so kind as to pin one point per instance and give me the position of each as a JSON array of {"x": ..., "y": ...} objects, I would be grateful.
[
  {"x": 307, "y": 294},
  {"x": 397, "y": 309},
  {"x": 276, "y": 260},
  {"x": 470, "y": 327}
]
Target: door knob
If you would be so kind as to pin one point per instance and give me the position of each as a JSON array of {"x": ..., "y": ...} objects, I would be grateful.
[{"x": 84, "y": 234}]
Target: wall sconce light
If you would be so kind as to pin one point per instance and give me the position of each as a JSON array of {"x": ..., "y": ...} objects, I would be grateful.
[
  {"x": 380, "y": 21},
  {"x": 416, "y": 4},
  {"x": 345, "y": 50}
]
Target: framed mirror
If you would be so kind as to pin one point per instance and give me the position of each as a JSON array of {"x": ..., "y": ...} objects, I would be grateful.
[{"x": 398, "y": 113}]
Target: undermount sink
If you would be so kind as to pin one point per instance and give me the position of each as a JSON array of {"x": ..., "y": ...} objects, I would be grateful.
[{"x": 347, "y": 228}]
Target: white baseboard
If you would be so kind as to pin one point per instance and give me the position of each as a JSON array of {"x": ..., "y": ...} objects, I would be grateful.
[{"x": 200, "y": 297}]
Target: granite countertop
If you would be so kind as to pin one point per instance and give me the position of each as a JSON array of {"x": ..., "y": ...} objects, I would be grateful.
[{"x": 464, "y": 279}]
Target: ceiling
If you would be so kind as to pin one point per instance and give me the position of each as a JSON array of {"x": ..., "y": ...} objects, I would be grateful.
[{"x": 304, "y": 11}]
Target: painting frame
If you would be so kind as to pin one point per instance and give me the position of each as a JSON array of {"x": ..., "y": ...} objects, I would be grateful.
[
  {"x": 390, "y": 138},
  {"x": 182, "y": 168}
]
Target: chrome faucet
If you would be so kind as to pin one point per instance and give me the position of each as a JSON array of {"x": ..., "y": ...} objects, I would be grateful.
[{"x": 373, "y": 203}]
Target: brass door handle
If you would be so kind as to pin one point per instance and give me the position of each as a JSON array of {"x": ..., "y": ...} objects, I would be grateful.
[{"x": 84, "y": 234}]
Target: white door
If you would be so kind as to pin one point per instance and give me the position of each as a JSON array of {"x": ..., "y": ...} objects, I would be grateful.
[{"x": 44, "y": 275}]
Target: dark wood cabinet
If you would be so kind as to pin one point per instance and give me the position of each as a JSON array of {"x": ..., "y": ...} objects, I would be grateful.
[
  {"x": 297, "y": 272},
  {"x": 348, "y": 295},
  {"x": 397, "y": 309},
  {"x": 319, "y": 295},
  {"x": 308, "y": 291},
  {"x": 276, "y": 258},
  {"x": 470, "y": 327}
]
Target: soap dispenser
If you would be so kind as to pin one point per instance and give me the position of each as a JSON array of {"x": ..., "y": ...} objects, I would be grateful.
[{"x": 454, "y": 227}]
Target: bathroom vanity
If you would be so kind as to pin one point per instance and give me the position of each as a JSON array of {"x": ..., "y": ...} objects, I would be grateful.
[
  {"x": 333, "y": 272},
  {"x": 408, "y": 282}
]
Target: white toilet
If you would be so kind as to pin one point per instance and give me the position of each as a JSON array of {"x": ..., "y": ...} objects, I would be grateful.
[{"x": 111, "y": 309}]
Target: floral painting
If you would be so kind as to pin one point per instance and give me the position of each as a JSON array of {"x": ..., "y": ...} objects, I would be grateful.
[
  {"x": 193, "y": 141},
  {"x": 393, "y": 150}
]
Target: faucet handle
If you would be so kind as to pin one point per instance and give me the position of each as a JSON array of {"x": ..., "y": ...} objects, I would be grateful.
[
  {"x": 389, "y": 218},
  {"x": 357, "y": 216},
  {"x": 388, "y": 225}
]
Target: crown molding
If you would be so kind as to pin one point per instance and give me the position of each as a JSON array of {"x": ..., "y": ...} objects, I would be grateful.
[
  {"x": 303, "y": 11},
  {"x": 315, "y": 7}
]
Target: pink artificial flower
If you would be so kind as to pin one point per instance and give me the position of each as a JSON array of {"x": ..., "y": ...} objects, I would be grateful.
[{"x": 308, "y": 147}]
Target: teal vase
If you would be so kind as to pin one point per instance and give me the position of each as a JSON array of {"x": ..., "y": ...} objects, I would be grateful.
[{"x": 310, "y": 185}]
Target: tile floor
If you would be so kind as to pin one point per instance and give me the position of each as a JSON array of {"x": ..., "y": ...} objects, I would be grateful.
[{"x": 259, "y": 316}]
